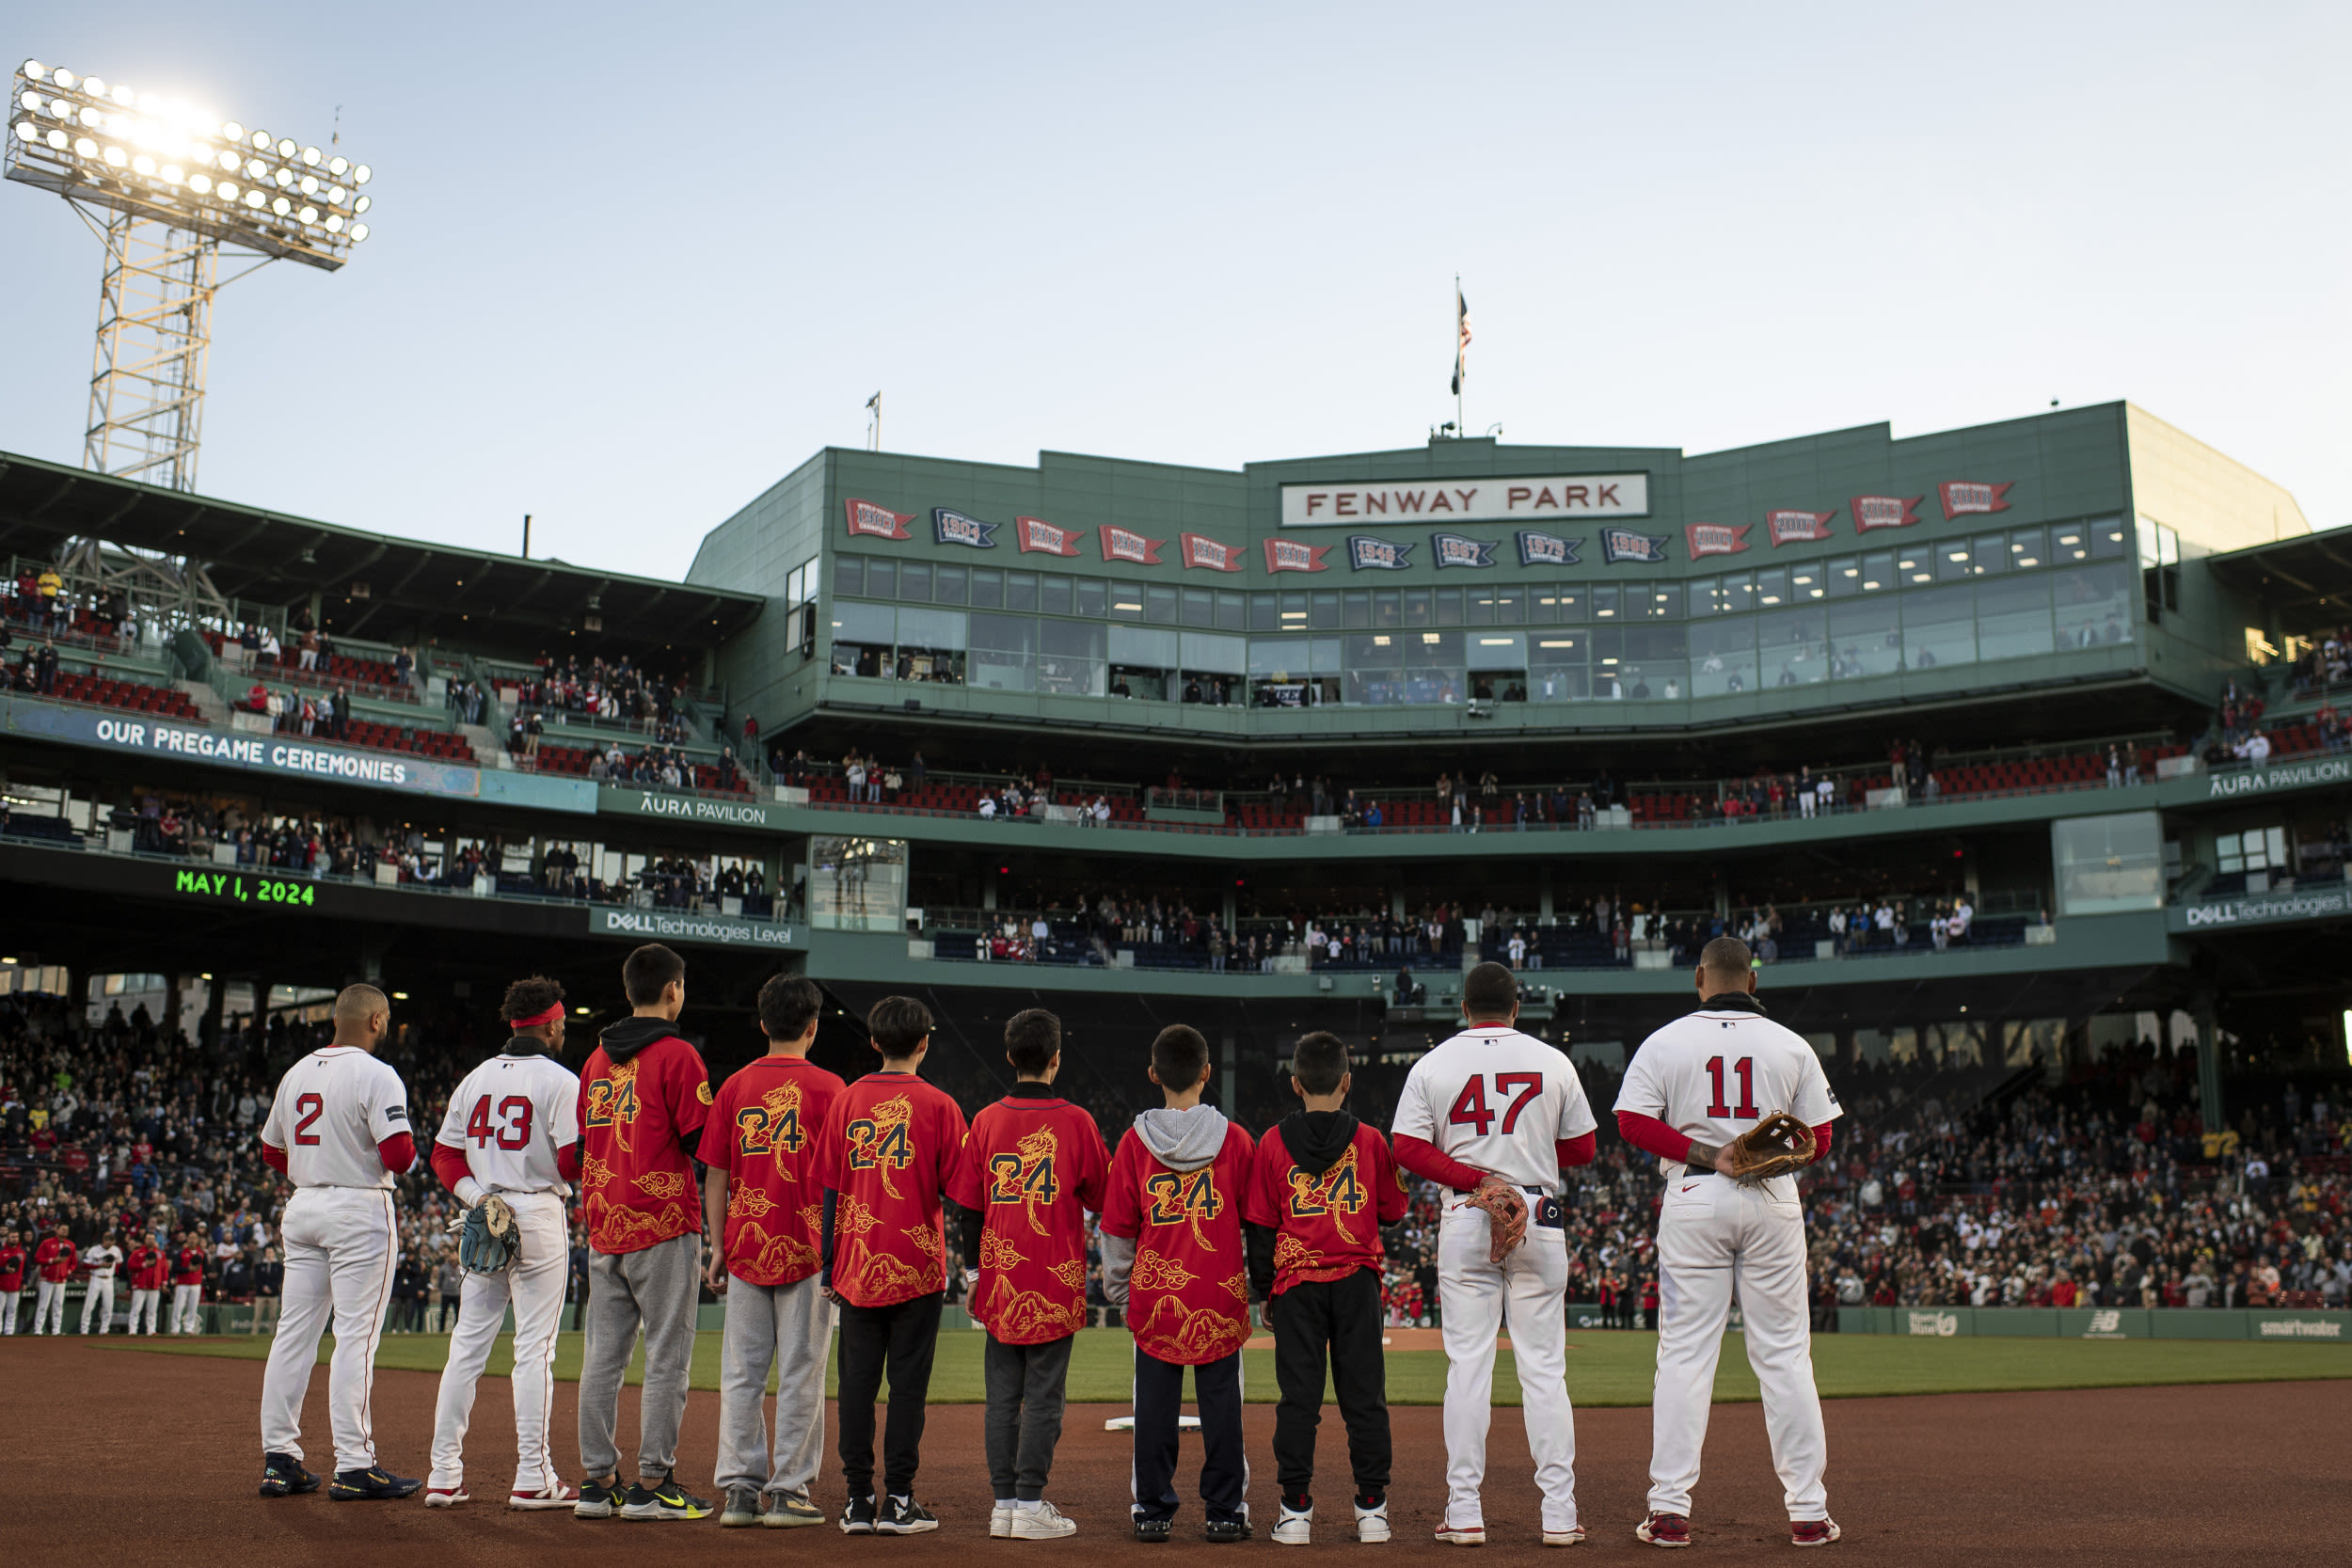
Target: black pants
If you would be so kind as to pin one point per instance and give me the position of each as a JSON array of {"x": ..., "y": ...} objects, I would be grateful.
[
  {"x": 904, "y": 1336},
  {"x": 1339, "y": 1319},
  {"x": 1225, "y": 1462},
  {"x": 1026, "y": 1388}
]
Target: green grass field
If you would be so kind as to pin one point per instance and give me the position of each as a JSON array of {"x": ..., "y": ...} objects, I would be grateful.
[{"x": 1604, "y": 1368}]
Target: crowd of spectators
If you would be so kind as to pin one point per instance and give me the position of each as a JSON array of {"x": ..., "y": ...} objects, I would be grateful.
[{"x": 613, "y": 691}]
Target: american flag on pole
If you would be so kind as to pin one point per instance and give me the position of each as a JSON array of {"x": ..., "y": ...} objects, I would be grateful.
[{"x": 1461, "y": 336}]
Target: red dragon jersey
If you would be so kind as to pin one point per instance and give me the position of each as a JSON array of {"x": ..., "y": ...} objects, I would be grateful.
[
  {"x": 1189, "y": 1298},
  {"x": 1033, "y": 1167},
  {"x": 763, "y": 1131},
  {"x": 1325, "y": 1227},
  {"x": 889, "y": 1145},
  {"x": 636, "y": 1184}
]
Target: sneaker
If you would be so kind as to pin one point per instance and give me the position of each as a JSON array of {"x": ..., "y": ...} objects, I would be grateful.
[
  {"x": 1042, "y": 1521},
  {"x": 372, "y": 1484},
  {"x": 446, "y": 1496},
  {"x": 1371, "y": 1523},
  {"x": 742, "y": 1508},
  {"x": 1463, "y": 1535},
  {"x": 1813, "y": 1532},
  {"x": 599, "y": 1499},
  {"x": 788, "y": 1509},
  {"x": 904, "y": 1516},
  {"x": 857, "y": 1517},
  {"x": 1663, "y": 1530},
  {"x": 1224, "y": 1532},
  {"x": 1294, "y": 1526},
  {"x": 1572, "y": 1536},
  {"x": 1154, "y": 1532},
  {"x": 1000, "y": 1520},
  {"x": 282, "y": 1476},
  {"x": 545, "y": 1498},
  {"x": 665, "y": 1500}
]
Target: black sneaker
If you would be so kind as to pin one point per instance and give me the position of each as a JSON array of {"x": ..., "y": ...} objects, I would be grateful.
[
  {"x": 282, "y": 1476},
  {"x": 742, "y": 1510},
  {"x": 857, "y": 1518},
  {"x": 904, "y": 1516},
  {"x": 1224, "y": 1532},
  {"x": 1154, "y": 1531},
  {"x": 599, "y": 1499},
  {"x": 370, "y": 1486},
  {"x": 666, "y": 1500}
]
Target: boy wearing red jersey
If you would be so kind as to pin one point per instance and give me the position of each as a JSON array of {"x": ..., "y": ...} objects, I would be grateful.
[
  {"x": 762, "y": 1196},
  {"x": 1323, "y": 1185},
  {"x": 887, "y": 1150},
  {"x": 1173, "y": 1255},
  {"x": 1033, "y": 1168}
]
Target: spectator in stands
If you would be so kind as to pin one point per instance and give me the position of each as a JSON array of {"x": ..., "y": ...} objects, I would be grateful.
[{"x": 45, "y": 662}]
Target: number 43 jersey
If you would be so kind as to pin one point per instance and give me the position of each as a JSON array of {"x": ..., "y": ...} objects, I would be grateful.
[
  {"x": 510, "y": 1115},
  {"x": 1497, "y": 1100}
]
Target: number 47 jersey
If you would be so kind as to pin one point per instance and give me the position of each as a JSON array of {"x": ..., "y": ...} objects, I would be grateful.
[
  {"x": 1498, "y": 1101},
  {"x": 510, "y": 1115}
]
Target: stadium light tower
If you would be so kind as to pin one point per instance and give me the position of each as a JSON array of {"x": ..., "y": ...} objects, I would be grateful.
[{"x": 166, "y": 186}]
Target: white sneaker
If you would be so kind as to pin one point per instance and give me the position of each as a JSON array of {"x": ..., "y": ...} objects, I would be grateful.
[
  {"x": 1463, "y": 1535},
  {"x": 1042, "y": 1521},
  {"x": 1000, "y": 1522},
  {"x": 1295, "y": 1526},
  {"x": 1371, "y": 1523}
]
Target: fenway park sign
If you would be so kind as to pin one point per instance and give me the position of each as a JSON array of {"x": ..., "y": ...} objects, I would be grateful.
[{"x": 1551, "y": 497}]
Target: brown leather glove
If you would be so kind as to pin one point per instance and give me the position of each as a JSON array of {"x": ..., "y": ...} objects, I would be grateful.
[
  {"x": 1506, "y": 1215},
  {"x": 1776, "y": 1145}
]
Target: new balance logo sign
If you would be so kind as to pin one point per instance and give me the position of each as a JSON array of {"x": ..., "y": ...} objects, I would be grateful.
[{"x": 2104, "y": 1326}]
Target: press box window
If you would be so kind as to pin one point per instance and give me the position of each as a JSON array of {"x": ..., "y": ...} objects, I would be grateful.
[{"x": 2255, "y": 849}]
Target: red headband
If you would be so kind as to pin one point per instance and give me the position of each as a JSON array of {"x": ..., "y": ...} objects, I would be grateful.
[{"x": 553, "y": 1015}]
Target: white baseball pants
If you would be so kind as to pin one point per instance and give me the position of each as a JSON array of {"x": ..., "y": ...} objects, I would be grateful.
[
  {"x": 1715, "y": 1237},
  {"x": 144, "y": 1304},
  {"x": 185, "y": 1316},
  {"x": 8, "y": 1310},
  {"x": 340, "y": 1252},
  {"x": 534, "y": 1284},
  {"x": 1532, "y": 1281},
  {"x": 49, "y": 1307},
  {"x": 99, "y": 1298}
]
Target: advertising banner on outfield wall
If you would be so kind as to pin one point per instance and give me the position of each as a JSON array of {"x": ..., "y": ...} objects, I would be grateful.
[
  {"x": 713, "y": 930},
  {"x": 294, "y": 756},
  {"x": 2096, "y": 1323}
]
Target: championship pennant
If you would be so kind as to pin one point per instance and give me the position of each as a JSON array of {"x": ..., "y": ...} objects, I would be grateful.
[
  {"x": 1289, "y": 555},
  {"x": 1198, "y": 551},
  {"x": 877, "y": 521},
  {"x": 1624, "y": 543},
  {"x": 1796, "y": 528},
  {"x": 1125, "y": 544},
  {"x": 1871, "y": 512},
  {"x": 1037, "y": 537},
  {"x": 1715, "y": 538},
  {"x": 1962, "y": 495},
  {"x": 1547, "y": 550},
  {"x": 957, "y": 527},
  {"x": 1452, "y": 550},
  {"x": 1367, "y": 554}
]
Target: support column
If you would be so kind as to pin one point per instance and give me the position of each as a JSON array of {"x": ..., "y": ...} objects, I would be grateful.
[
  {"x": 2208, "y": 1061},
  {"x": 1543, "y": 894},
  {"x": 1229, "y": 1071}
]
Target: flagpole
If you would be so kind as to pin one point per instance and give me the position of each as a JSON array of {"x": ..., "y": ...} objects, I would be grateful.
[{"x": 1460, "y": 430}]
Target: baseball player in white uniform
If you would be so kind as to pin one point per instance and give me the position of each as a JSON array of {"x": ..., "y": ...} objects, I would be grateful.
[
  {"x": 511, "y": 1130},
  {"x": 1696, "y": 1086},
  {"x": 1493, "y": 1105},
  {"x": 339, "y": 1129},
  {"x": 102, "y": 1258}
]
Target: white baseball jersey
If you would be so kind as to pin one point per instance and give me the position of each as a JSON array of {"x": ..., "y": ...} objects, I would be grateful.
[
  {"x": 1715, "y": 1073},
  {"x": 333, "y": 1108},
  {"x": 1497, "y": 1100},
  {"x": 102, "y": 1259},
  {"x": 510, "y": 1115}
]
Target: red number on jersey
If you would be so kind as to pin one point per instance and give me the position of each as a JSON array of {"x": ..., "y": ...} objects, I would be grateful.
[
  {"x": 1530, "y": 1085},
  {"x": 312, "y": 1107},
  {"x": 478, "y": 1126},
  {"x": 1745, "y": 1068},
  {"x": 515, "y": 1111},
  {"x": 1470, "y": 1106}
]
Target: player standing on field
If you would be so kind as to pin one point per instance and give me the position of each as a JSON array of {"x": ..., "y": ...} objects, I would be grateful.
[
  {"x": 1494, "y": 1105},
  {"x": 14, "y": 1256},
  {"x": 512, "y": 1131},
  {"x": 339, "y": 1130},
  {"x": 187, "y": 1287},
  {"x": 98, "y": 1297},
  {"x": 1693, "y": 1087},
  {"x": 54, "y": 1260},
  {"x": 149, "y": 1270}
]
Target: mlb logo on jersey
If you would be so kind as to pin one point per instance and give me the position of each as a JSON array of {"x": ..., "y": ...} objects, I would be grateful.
[
  {"x": 1871, "y": 512},
  {"x": 955, "y": 528},
  {"x": 1289, "y": 555},
  {"x": 1961, "y": 495},
  {"x": 1208, "y": 555},
  {"x": 1037, "y": 537},
  {"x": 1623, "y": 543},
  {"x": 877, "y": 521},
  {"x": 1122, "y": 543},
  {"x": 1452, "y": 550},
  {"x": 1796, "y": 528},
  {"x": 1365, "y": 554},
  {"x": 1547, "y": 550}
]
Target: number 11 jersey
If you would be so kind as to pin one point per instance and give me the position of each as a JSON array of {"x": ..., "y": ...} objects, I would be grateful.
[
  {"x": 1496, "y": 1100},
  {"x": 1715, "y": 1073}
]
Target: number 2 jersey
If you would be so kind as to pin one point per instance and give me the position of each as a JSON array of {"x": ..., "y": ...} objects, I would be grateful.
[
  {"x": 334, "y": 1111},
  {"x": 763, "y": 1133},
  {"x": 1033, "y": 1168},
  {"x": 1715, "y": 1073},
  {"x": 1176, "y": 1189},
  {"x": 889, "y": 1147},
  {"x": 510, "y": 1118},
  {"x": 1497, "y": 1100}
]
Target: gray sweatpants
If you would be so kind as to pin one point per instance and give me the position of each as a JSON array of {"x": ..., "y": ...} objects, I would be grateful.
[
  {"x": 656, "y": 1289},
  {"x": 789, "y": 1326},
  {"x": 1026, "y": 1388}
]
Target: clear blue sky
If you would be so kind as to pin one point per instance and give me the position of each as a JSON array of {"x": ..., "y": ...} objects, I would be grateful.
[{"x": 632, "y": 264}]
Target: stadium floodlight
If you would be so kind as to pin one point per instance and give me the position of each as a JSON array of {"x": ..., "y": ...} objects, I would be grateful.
[{"x": 166, "y": 185}]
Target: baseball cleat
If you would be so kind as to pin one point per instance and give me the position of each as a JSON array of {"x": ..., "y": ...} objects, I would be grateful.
[
  {"x": 1154, "y": 1532},
  {"x": 1572, "y": 1536},
  {"x": 373, "y": 1484},
  {"x": 446, "y": 1496},
  {"x": 599, "y": 1499},
  {"x": 1294, "y": 1526},
  {"x": 282, "y": 1476},
  {"x": 1462, "y": 1535},
  {"x": 666, "y": 1499},
  {"x": 742, "y": 1508},
  {"x": 1663, "y": 1530},
  {"x": 788, "y": 1509},
  {"x": 1371, "y": 1523},
  {"x": 1000, "y": 1520},
  {"x": 1042, "y": 1521},
  {"x": 1813, "y": 1532},
  {"x": 547, "y": 1496},
  {"x": 1224, "y": 1532}
]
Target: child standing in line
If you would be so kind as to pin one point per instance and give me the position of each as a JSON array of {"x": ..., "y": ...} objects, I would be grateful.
[
  {"x": 888, "y": 1148},
  {"x": 1172, "y": 1257},
  {"x": 1323, "y": 1185},
  {"x": 1033, "y": 1168}
]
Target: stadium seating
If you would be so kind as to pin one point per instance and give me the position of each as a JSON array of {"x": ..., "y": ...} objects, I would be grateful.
[{"x": 135, "y": 696}]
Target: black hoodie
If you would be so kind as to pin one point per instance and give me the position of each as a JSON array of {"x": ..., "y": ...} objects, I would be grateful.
[
  {"x": 628, "y": 1037},
  {"x": 1315, "y": 1141}
]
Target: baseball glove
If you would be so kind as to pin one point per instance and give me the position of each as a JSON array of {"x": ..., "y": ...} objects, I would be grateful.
[
  {"x": 1506, "y": 1208},
  {"x": 1776, "y": 1145},
  {"x": 489, "y": 1239}
]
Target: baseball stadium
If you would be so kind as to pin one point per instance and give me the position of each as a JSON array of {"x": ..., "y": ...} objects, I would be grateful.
[{"x": 2008, "y": 760}]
